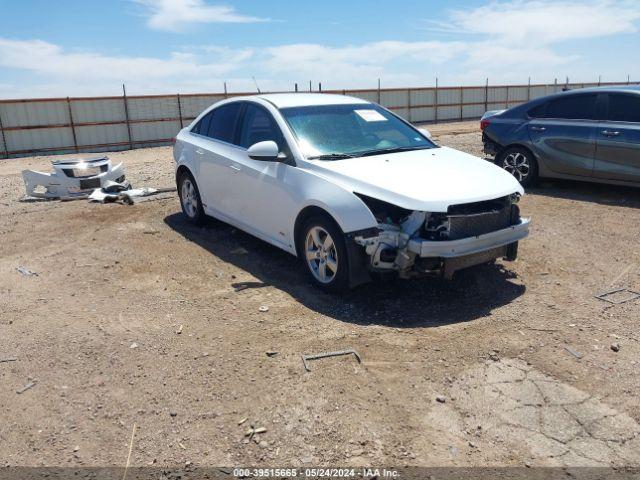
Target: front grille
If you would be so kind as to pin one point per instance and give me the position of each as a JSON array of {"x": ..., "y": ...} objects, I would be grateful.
[
  {"x": 472, "y": 219},
  {"x": 88, "y": 183},
  {"x": 478, "y": 224},
  {"x": 86, "y": 172}
]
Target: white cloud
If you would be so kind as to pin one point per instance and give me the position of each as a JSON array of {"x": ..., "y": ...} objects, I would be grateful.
[
  {"x": 49, "y": 59},
  {"x": 547, "y": 22},
  {"x": 175, "y": 15},
  {"x": 507, "y": 42}
]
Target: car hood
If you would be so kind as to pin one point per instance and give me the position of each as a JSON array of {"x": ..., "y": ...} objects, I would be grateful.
[{"x": 426, "y": 180}]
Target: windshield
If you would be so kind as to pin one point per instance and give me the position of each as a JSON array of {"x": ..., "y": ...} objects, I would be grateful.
[{"x": 333, "y": 132}]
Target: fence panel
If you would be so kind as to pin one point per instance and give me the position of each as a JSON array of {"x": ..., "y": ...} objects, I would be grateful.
[{"x": 95, "y": 124}]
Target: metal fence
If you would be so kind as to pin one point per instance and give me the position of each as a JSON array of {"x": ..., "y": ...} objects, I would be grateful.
[{"x": 98, "y": 124}]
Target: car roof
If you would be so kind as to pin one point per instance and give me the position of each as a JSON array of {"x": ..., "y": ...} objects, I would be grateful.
[
  {"x": 619, "y": 88},
  {"x": 286, "y": 100}
]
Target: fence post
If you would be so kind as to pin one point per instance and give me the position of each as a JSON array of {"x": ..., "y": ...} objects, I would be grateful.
[
  {"x": 435, "y": 103},
  {"x": 379, "y": 97},
  {"x": 126, "y": 115},
  {"x": 73, "y": 127},
  {"x": 461, "y": 97},
  {"x": 409, "y": 105},
  {"x": 320, "y": 87},
  {"x": 486, "y": 95},
  {"x": 180, "y": 111},
  {"x": 296, "y": 88},
  {"x": 506, "y": 100},
  {"x": 4, "y": 139},
  {"x": 225, "y": 90},
  {"x": 529, "y": 89},
  {"x": 310, "y": 87}
]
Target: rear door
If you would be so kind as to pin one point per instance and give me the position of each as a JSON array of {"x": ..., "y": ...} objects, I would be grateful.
[
  {"x": 563, "y": 133},
  {"x": 618, "y": 145},
  {"x": 215, "y": 146}
]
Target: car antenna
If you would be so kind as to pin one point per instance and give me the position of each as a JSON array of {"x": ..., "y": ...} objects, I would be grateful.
[{"x": 257, "y": 87}]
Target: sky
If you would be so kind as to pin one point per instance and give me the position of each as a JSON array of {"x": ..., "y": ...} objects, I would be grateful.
[{"x": 91, "y": 47}]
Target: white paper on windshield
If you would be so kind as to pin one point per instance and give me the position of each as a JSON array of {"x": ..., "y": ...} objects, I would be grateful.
[{"x": 371, "y": 116}]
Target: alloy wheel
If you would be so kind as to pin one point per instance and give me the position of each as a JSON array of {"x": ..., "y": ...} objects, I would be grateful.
[
  {"x": 518, "y": 165},
  {"x": 189, "y": 198},
  {"x": 321, "y": 254}
]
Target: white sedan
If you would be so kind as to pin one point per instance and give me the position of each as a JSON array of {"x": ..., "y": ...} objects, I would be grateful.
[{"x": 347, "y": 186}]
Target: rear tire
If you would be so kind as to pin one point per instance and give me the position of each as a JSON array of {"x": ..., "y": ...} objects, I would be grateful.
[
  {"x": 190, "y": 199},
  {"x": 520, "y": 163},
  {"x": 323, "y": 253}
]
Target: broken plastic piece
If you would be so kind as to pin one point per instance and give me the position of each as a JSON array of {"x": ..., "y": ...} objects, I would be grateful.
[{"x": 72, "y": 178}]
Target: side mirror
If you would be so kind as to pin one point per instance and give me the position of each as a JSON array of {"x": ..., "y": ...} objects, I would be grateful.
[
  {"x": 425, "y": 132},
  {"x": 266, "y": 151}
]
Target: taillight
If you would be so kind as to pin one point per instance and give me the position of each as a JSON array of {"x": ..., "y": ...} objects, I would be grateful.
[
  {"x": 484, "y": 124},
  {"x": 173, "y": 141}
]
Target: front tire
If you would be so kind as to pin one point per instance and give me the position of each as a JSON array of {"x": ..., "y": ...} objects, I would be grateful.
[
  {"x": 190, "y": 199},
  {"x": 323, "y": 253},
  {"x": 520, "y": 163}
]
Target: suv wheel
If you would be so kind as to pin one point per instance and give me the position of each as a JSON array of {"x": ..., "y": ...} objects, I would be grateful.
[
  {"x": 520, "y": 163},
  {"x": 324, "y": 254},
  {"x": 190, "y": 199}
]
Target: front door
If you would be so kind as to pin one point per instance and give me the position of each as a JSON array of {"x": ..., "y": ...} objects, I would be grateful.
[
  {"x": 618, "y": 145},
  {"x": 262, "y": 200}
]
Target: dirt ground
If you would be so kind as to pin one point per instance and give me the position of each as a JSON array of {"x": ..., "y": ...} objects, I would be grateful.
[{"x": 136, "y": 318}]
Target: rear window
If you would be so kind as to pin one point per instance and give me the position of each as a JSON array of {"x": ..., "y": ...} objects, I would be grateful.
[
  {"x": 572, "y": 107},
  {"x": 537, "y": 111},
  {"x": 624, "y": 107},
  {"x": 220, "y": 124}
]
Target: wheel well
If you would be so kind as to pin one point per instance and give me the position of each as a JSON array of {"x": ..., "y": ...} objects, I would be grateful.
[
  {"x": 181, "y": 171},
  {"x": 306, "y": 213}
]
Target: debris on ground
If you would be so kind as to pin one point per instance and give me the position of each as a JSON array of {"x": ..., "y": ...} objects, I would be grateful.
[
  {"x": 70, "y": 179},
  {"x": 242, "y": 420},
  {"x": 8, "y": 359},
  {"x": 179, "y": 331},
  {"x": 306, "y": 358},
  {"x": 615, "y": 347},
  {"x": 239, "y": 251},
  {"x": 25, "y": 388},
  {"x": 618, "y": 296},
  {"x": 271, "y": 353},
  {"x": 263, "y": 308},
  {"x": 493, "y": 355},
  {"x": 573, "y": 352},
  {"x": 441, "y": 399},
  {"x": 133, "y": 345},
  {"x": 26, "y": 272}
]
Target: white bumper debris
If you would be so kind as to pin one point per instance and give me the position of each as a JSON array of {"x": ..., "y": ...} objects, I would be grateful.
[{"x": 72, "y": 178}]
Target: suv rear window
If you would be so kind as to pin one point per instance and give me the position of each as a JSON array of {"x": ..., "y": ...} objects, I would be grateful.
[
  {"x": 572, "y": 107},
  {"x": 624, "y": 107}
]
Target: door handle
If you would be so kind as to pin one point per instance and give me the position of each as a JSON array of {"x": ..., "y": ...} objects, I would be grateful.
[
  {"x": 538, "y": 129},
  {"x": 199, "y": 151},
  {"x": 610, "y": 133},
  {"x": 235, "y": 167}
]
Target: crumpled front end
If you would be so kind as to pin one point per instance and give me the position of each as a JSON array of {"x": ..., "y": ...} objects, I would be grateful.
[
  {"x": 417, "y": 243},
  {"x": 72, "y": 178}
]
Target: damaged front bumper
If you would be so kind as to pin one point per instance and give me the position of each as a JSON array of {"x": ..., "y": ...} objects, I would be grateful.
[
  {"x": 469, "y": 246},
  {"x": 394, "y": 250},
  {"x": 72, "y": 178}
]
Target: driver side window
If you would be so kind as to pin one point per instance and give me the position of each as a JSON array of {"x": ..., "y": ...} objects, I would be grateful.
[{"x": 258, "y": 126}]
